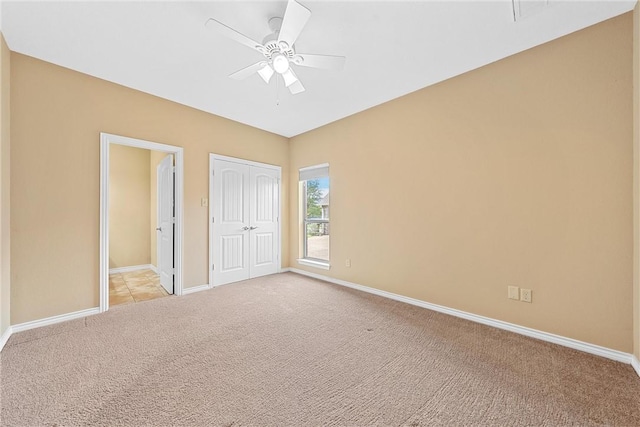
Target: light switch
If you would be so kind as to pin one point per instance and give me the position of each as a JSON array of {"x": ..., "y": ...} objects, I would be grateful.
[{"x": 204, "y": 202}]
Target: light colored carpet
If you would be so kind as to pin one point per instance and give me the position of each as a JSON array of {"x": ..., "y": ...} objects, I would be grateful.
[{"x": 289, "y": 350}]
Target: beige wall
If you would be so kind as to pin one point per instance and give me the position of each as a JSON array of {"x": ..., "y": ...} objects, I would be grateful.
[
  {"x": 518, "y": 173},
  {"x": 154, "y": 160},
  {"x": 56, "y": 119},
  {"x": 129, "y": 197},
  {"x": 5, "y": 206},
  {"x": 636, "y": 181}
]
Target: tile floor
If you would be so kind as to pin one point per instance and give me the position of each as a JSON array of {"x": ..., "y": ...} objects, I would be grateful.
[{"x": 135, "y": 286}]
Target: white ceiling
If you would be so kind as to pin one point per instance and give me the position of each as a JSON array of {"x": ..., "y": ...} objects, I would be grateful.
[{"x": 392, "y": 48}]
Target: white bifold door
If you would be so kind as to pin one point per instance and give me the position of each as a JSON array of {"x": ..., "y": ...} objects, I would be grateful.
[
  {"x": 244, "y": 206},
  {"x": 166, "y": 220}
]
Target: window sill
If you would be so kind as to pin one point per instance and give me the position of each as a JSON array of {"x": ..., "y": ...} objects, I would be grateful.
[{"x": 312, "y": 263}]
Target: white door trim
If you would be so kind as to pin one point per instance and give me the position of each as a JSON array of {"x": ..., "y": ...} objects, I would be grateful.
[
  {"x": 105, "y": 141},
  {"x": 212, "y": 158}
]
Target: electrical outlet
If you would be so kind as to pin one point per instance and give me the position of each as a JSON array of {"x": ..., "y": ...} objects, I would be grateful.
[
  {"x": 525, "y": 295},
  {"x": 204, "y": 202},
  {"x": 347, "y": 263},
  {"x": 513, "y": 292}
]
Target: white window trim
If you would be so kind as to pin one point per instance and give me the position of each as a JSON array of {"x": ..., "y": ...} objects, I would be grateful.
[
  {"x": 314, "y": 263},
  {"x": 313, "y": 172}
]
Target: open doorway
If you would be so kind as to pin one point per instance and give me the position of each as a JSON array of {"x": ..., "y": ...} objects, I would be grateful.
[
  {"x": 140, "y": 218},
  {"x": 141, "y": 229}
]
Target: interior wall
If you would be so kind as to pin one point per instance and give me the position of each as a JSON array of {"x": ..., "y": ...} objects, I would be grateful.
[
  {"x": 154, "y": 160},
  {"x": 517, "y": 173},
  {"x": 56, "y": 118},
  {"x": 636, "y": 181},
  {"x": 5, "y": 177},
  {"x": 129, "y": 197}
]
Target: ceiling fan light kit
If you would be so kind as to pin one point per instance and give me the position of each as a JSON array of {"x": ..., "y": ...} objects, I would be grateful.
[
  {"x": 280, "y": 63},
  {"x": 266, "y": 72},
  {"x": 278, "y": 49}
]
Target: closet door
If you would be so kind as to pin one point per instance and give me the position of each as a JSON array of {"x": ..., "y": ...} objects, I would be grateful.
[
  {"x": 263, "y": 219},
  {"x": 245, "y": 236},
  {"x": 230, "y": 222}
]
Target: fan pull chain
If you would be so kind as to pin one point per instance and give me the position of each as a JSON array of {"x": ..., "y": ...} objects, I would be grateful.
[{"x": 277, "y": 92}]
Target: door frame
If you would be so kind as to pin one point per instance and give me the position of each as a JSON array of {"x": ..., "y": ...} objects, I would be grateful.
[
  {"x": 212, "y": 158},
  {"x": 106, "y": 140}
]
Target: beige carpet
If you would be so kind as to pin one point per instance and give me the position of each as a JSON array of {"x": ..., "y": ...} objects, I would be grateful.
[{"x": 288, "y": 350}]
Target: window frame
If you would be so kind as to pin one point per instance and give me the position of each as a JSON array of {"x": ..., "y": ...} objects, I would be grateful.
[
  {"x": 307, "y": 260},
  {"x": 305, "y": 222}
]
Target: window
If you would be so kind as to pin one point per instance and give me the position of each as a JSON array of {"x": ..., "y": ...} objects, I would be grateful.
[{"x": 315, "y": 215}]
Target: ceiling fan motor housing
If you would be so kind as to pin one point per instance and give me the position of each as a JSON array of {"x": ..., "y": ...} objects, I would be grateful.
[
  {"x": 275, "y": 24},
  {"x": 271, "y": 45}
]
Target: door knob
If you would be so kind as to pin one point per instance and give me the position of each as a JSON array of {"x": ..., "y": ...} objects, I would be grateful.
[
  {"x": 252, "y": 228},
  {"x": 159, "y": 229},
  {"x": 245, "y": 228}
]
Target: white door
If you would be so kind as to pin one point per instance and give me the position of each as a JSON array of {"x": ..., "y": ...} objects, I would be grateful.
[
  {"x": 263, "y": 228},
  {"x": 245, "y": 237},
  {"x": 230, "y": 222},
  {"x": 164, "y": 230}
]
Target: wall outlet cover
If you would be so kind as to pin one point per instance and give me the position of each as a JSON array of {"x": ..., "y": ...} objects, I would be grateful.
[{"x": 525, "y": 295}]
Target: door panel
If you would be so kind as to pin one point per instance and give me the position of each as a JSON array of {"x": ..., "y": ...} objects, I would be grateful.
[
  {"x": 264, "y": 221},
  {"x": 264, "y": 246},
  {"x": 233, "y": 184},
  {"x": 231, "y": 216},
  {"x": 165, "y": 222},
  {"x": 264, "y": 193},
  {"x": 233, "y": 249}
]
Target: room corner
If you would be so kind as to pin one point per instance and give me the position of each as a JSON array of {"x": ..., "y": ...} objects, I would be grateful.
[
  {"x": 5, "y": 230},
  {"x": 636, "y": 187}
]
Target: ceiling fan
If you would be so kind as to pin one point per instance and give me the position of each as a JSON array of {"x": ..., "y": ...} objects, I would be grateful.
[{"x": 278, "y": 48}]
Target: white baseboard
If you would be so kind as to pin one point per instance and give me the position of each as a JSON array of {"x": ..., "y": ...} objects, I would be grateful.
[
  {"x": 54, "y": 319},
  {"x": 636, "y": 364},
  {"x": 544, "y": 336},
  {"x": 153, "y": 268},
  {"x": 5, "y": 337},
  {"x": 132, "y": 268},
  {"x": 522, "y": 330},
  {"x": 195, "y": 289}
]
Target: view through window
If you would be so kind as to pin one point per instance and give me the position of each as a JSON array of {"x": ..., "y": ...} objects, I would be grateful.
[{"x": 316, "y": 219}]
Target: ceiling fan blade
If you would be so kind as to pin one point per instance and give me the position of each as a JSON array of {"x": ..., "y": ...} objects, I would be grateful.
[
  {"x": 295, "y": 18},
  {"x": 296, "y": 88},
  {"x": 327, "y": 62},
  {"x": 246, "y": 72},
  {"x": 233, "y": 34}
]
